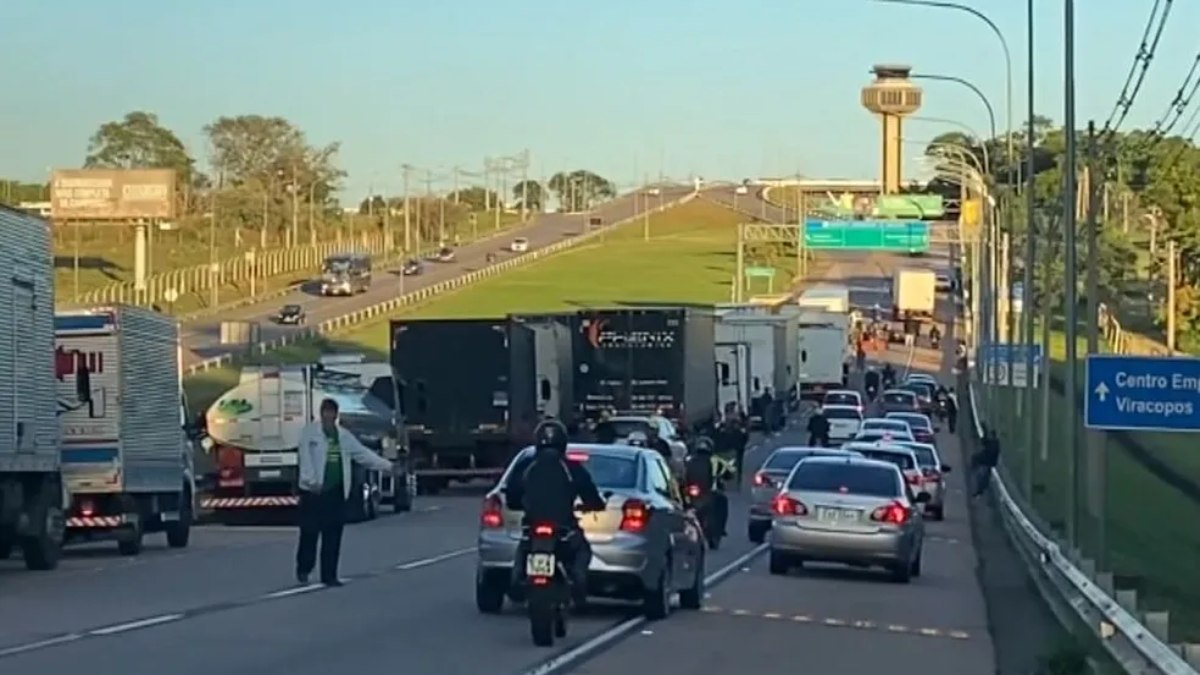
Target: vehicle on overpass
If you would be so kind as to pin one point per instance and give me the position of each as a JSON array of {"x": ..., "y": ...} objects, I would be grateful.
[
  {"x": 849, "y": 510},
  {"x": 643, "y": 531},
  {"x": 254, "y": 433},
  {"x": 346, "y": 274},
  {"x": 290, "y": 315}
]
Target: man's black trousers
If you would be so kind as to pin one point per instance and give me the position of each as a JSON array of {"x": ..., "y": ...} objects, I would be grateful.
[{"x": 322, "y": 517}]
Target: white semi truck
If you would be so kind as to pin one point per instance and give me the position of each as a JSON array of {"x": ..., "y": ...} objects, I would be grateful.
[
  {"x": 755, "y": 350},
  {"x": 914, "y": 292},
  {"x": 127, "y": 450},
  {"x": 31, "y": 489},
  {"x": 254, "y": 433}
]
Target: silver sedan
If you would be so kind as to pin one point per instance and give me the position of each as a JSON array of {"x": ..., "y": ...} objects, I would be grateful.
[
  {"x": 847, "y": 510},
  {"x": 646, "y": 546},
  {"x": 771, "y": 476}
]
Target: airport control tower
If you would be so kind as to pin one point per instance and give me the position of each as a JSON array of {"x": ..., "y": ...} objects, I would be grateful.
[{"x": 892, "y": 96}]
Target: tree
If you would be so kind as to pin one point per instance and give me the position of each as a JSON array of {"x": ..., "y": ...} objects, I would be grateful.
[
  {"x": 531, "y": 194},
  {"x": 139, "y": 141},
  {"x": 266, "y": 169},
  {"x": 475, "y": 198},
  {"x": 579, "y": 190},
  {"x": 14, "y": 192}
]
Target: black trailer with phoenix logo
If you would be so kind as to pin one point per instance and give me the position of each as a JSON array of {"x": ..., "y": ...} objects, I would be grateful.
[{"x": 650, "y": 361}]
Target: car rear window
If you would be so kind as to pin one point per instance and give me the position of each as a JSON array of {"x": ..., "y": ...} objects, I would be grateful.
[
  {"x": 855, "y": 479},
  {"x": 622, "y": 428},
  {"x": 841, "y": 399},
  {"x": 925, "y": 456},
  {"x": 885, "y": 425},
  {"x": 920, "y": 389},
  {"x": 900, "y": 459},
  {"x": 914, "y": 421},
  {"x": 899, "y": 398},
  {"x": 843, "y": 414},
  {"x": 608, "y": 472},
  {"x": 784, "y": 461}
]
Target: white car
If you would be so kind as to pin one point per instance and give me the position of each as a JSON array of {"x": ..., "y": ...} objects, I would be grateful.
[
  {"x": 844, "y": 421},
  {"x": 882, "y": 429},
  {"x": 842, "y": 397},
  {"x": 922, "y": 377},
  {"x": 742, "y": 190},
  {"x": 519, "y": 245}
]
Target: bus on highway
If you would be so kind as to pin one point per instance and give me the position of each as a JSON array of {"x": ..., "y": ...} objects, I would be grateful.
[{"x": 346, "y": 274}]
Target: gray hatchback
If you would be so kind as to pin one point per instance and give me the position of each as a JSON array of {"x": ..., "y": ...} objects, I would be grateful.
[{"x": 646, "y": 546}]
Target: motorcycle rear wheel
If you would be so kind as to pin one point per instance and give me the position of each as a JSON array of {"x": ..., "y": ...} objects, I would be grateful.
[{"x": 542, "y": 620}]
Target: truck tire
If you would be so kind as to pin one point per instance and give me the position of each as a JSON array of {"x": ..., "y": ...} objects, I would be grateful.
[
  {"x": 129, "y": 542},
  {"x": 180, "y": 531},
  {"x": 42, "y": 549},
  {"x": 405, "y": 490}
]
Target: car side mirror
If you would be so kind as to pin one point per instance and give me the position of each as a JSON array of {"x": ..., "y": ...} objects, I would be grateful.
[{"x": 945, "y": 468}]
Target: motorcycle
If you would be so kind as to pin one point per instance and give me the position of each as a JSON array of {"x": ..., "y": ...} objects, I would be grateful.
[
  {"x": 935, "y": 341},
  {"x": 872, "y": 390},
  {"x": 702, "y": 501},
  {"x": 548, "y": 596},
  {"x": 942, "y": 409}
]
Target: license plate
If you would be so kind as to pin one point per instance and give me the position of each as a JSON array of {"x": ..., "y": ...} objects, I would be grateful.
[
  {"x": 540, "y": 565},
  {"x": 837, "y": 516},
  {"x": 270, "y": 473}
]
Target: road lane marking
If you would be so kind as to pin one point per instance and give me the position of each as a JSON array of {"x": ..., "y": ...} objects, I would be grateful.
[
  {"x": 135, "y": 625},
  {"x": 588, "y": 649},
  {"x": 840, "y": 623},
  {"x": 433, "y": 560},
  {"x": 140, "y": 624}
]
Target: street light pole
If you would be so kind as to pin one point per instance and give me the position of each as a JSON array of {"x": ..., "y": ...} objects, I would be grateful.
[
  {"x": 1070, "y": 188},
  {"x": 1031, "y": 235}
]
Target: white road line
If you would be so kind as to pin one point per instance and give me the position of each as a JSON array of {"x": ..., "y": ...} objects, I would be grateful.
[
  {"x": 293, "y": 591},
  {"x": 28, "y": 647},
  {"x": 619, "y": 631},
  {"x": 425, "y": 562},
  {"x": 136, "y": 625}
]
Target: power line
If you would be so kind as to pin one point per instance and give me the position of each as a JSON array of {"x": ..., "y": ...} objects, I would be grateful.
[
  {"x": 1151, "y": 36},
  {"x": 1182, "y": 101}
]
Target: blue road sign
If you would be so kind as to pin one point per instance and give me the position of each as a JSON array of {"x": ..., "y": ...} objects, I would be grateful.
[
  {"x": 1146, "y": 393},
  {"x": 994, "y": 360},
  {"x": 999, "y": 351}
]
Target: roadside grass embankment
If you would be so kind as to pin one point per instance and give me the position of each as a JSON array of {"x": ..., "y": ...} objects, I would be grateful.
[
  {"x": 1152, "y": 541},
  {"x": 689, "y": 258}
]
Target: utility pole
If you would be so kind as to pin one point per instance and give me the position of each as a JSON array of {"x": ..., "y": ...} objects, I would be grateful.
[
  {"x": 1031, "y": 235},
  {"x": 487, "y": 184},
  {"x": 429, "y": 190},
  {"x": 525, "y": 185},
  {"x": 294, "y": 188},
  {"x": 407, "y": 210},
  {"x": 1172, "y": 282},
  {"x": 646, "y": 211},
  {"x": 1095, "y": 461},
  {"x": 1070, "y": 176},
  {"x": 739, "y": 271}
]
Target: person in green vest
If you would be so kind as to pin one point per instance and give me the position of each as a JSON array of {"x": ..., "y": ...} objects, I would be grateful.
[{"x": 325, "y": 455}]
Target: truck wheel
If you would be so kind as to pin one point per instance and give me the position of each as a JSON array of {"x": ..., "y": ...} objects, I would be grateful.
[
  {"x": 405, "y": 490},
  {"x": 42, "y": 547},
  {"x": 180, "y": 531},
  {"x": 129, "y": 542}
]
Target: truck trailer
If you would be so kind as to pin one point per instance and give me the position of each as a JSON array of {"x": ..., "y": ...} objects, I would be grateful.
[
  {"x": 254, "y": 433},
  {"x": 651, "y": 361},
  {"x": 768, "y": 338},
  {"x": 453, "y": 377},
  {"x": 32, "y": 494},
  {"x": 823, "y": 342},
  {"x": 542, "y": 372},
  {"x": 127, "y": 452},
  {"x": 914, "y": 292}
]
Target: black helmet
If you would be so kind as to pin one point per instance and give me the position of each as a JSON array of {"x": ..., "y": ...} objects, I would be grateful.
[
  {"x": 551, "y": 435},
  {"x": 703, "y": 446}
]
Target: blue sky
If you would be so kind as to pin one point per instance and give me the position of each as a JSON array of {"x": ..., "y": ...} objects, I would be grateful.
[{"x": 721, "y": 89}]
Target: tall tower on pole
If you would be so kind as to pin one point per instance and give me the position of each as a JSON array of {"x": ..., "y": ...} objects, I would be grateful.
[{"x": 892, "y": 96}]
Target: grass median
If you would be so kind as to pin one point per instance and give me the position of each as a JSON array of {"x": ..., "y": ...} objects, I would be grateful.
[
  {"x": 1151, "y": 538},
  {"x": 690, "y": 257}
]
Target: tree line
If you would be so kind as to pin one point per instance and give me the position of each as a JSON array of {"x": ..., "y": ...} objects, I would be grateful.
[
  {"x": 1146, "y": 193},
  {"x": 263, "y": 176}
]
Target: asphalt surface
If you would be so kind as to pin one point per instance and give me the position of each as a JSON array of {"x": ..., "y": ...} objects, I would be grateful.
[
  {"x": 201, "y": 339},
  {"x": 228, "y": 606}
]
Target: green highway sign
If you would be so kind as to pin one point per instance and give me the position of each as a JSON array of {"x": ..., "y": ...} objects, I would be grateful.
[
  {"x": 904, "y": 236},
  {"x": 760, "y": 272}
]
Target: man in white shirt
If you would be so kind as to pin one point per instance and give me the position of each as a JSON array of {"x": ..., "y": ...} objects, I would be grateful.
[{"x": 325, "y": 456}]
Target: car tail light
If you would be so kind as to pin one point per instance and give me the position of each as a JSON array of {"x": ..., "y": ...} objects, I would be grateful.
[
  {"x": 87, "y": 508},
  {"x": 693, "y": 490},
  {"x": 544, "y": 530},
  {"x": 492, "y": 515},
  {"x": 634, "y": 515},
  {"x": 894, "y": 513},
  {"x": 577, "y": 456},
  {"x": 912, "y": 478},
  {"x": 761, "y": 480},
  {"x": 784, "y": 505}
]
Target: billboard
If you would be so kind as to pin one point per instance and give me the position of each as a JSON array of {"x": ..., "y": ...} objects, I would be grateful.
[{"x": 112, "y": 194}]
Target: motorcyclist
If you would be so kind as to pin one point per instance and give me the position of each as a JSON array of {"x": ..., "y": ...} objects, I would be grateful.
[
  {"x": 605, "y": 432},
  {"x": 545, "y": 487},
  {"x": 656, "y": 442},
  {"x": 951, "y": 408},
  {"x": 889, "y": 375},
  {"x": 935, "y": 336},
  {"x": 871, "y": 382},
  {"x": 705, "y": 469},
  {"x": 818, "y": 429}
]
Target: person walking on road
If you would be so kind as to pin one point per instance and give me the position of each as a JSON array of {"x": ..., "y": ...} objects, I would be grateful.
[
  {"x": 984, "y": 461},
  {"x": 325, "y": 456}
]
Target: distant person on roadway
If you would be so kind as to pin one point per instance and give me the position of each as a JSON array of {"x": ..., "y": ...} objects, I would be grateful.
[
  {"x": 325, "y": 455},
  {"x": 984, "y": 461}
]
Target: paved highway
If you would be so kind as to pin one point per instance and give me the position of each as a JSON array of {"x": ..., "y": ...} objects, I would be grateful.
[
  {"x": 227, "y": 605},
  {"x": 751, "y": 204},
  {"x": 201, "y": 339}
]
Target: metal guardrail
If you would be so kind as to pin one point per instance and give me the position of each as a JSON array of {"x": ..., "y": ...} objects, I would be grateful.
[
  {"x": 1134, "y": 646},
  {"x": 424, "y": 294}
]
